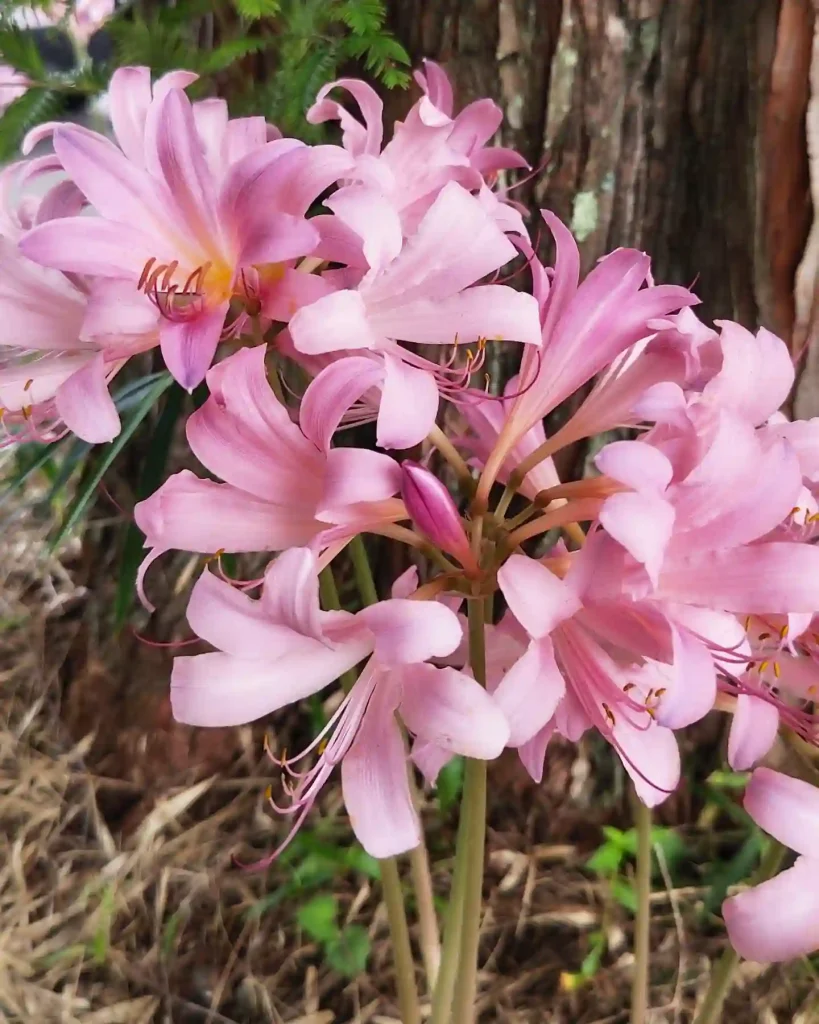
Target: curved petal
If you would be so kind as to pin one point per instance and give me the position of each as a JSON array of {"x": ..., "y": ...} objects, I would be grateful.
[
  {"x": 530, "y": 691},
  {"x": 650, "y": 756},
  {"x": 332, "y": 392},
  {"x": 778, "y": 920},
  {"x": 536, "y": 597},
  {"x": 220, "y": 689},
  {"x": 532, "y": 754},
  {"x": 642, "y": 523},
  {"x": 354, "y": 475},
  {"x": 753, "y": 730},
  {"x": 757, "y": 373},
  {"x": 291, "y": 592},
  {"x": 272, "y": 237},
  {"x": 429, "y": 760},
  {"x": 786, "y": 808},
  {"x": 636, "y": 464},
  {"x": 373, "y": 218},
  {"x": 452, "y": 711},
  {"x": 89, "y": 245},
  {"x": 357, "y": 138},
  {"x": 686, "y": 689},
  {"x": 375, "y": 783},
  {"x": 86, "y": 407},
  {"x": 409, "y": 405},
  {"x": 129, "y": 96},
  {"x": 774, "y": 578},
  {"x": 408, "y": 631},
  {"x": 336, "y": 321},
  {"x": 188, "y": 347}
]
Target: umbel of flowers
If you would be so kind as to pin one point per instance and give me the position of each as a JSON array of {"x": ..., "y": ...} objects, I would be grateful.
[{"x": 686, "y": 577}]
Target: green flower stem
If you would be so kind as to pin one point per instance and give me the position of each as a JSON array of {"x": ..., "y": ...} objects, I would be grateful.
[
  {"x": 472, "y": 851},
  {"x": 642, "y": 923},
  {"x": 363, "y": 573},
  {"x": 401, "y": 949},
  {"x": 429, "y": 938},
  {"x": 722, "y": 976},
  {"x": 328, "y": 591}
]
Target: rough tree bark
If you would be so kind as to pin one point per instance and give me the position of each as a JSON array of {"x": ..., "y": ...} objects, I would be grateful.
[{"x": 677, "y": 126}]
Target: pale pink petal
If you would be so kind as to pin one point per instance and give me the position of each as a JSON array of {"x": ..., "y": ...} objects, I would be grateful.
[
  {"x": 371, "y": 216},
  {"x": 375, "y": 782},
  {"x": 778, "y": 920},
  {"x": 28, "y": 384},
  {"x": 357, "y": 138},
  {"x": 406, "y": 583},
  {"x": 409, "y": 404},
  {"x": 637, "y": 465},
  {"x": 332, "y": 392},
  {"x": 757, "y": 373},
  {"x": 452, "y": 711},
  {"x": 89, "y": 245},
  {"x": 85, "y": 406},
  {"x": 407, "y": 631},
  {"x": 786, "y": 808},
  {"x": 689, "y": 683},
  {"x": 536, "y": 597},
  {"x": 650, "y": 756},
  {"x": 530, "y": 691},
  {"x": 211, "y": 119},
  {"x": 220, "y": 689},
  {"x": 243, "y": 135},
  {"x": 475, "y": 126},
  {"x": 116, "y": 308},
  {"x": 190, "y": 514},
  {"x": 337, "y": 321},
  {"x": 486, "y": 311},
  {"x": 129, "y": 96},
  {"x": 283, "y": 296},
  {"x": 272, "y": 237},
  {"x": 774, "y": 578},
  {"x": 642, "y": 523},
  {"x": 188, "y": 347},
  {"x": 754, "y": 726},
  {"x": 533, "y": 753},
  {"x": 429, "y": 760},
  {"x": 291, "y": 592},
  {"x": 357, "y": 474},
  {"x": 803, "y": 435}
]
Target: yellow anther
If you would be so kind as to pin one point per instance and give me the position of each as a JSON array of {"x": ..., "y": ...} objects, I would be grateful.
[
  {"x": 27, "y": 412},
  {"x": 813, "y": 518},
  {"x": 762, "y": 666},
  {"x": 783, "y": 632},
  {"x": 28, "y": 384},
  {"x": 747, "y": 623},
  {"x": 470, "y": 356},
  {"x": 811, "y": 690},
  {"x": 322, "y": 746},
  {"x": 777, "y": 670},
  {"x": 609, "y": 714},
  {"x": 268, "y": 793}
]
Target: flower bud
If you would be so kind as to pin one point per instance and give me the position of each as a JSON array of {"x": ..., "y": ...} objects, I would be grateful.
[{"x": 434, "y": 513}]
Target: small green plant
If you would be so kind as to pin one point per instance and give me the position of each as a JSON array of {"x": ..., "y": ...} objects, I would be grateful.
[
  {"x": 345, "y": 947},
  {"x": 619, "y": 849}
]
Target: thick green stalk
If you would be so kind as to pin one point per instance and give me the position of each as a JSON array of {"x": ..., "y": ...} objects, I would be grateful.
[
  {"x": 429, "y": 937},
  {"x": 328, "y": 591},
  {"x": 642, "y": 923},
  {"x": 722, "y": 976},
  {"x": 401, "y": 949},
  {"x": 363, "y": 573},
  {"x": 474, "y": 798}
]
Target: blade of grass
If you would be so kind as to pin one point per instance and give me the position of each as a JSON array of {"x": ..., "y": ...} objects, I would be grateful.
[
  {"x": 153, "y": 471},
  {"x": 89, "y": 488}
]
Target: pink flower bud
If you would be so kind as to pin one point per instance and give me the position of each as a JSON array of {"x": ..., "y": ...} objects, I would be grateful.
[{"x": 434, "y": 513}]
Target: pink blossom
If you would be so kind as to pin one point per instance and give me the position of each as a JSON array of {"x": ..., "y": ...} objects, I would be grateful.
[
  {"x": 284, "y": 484},
  {"x": 282, "y": 648},
  {"x": 432, "y": 510},
  {"x": 196, "y": 211},
  {"x": 428, "y": 150},
  {"x": 779, "y": 919},
  {"x": 59, "y": 351},
  {"x": 416, "y": 291}
]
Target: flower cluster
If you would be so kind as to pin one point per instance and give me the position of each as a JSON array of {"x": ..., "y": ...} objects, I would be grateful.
[{"x": 694, "y": 583}]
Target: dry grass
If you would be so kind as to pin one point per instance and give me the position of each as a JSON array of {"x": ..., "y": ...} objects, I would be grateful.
[{"x": 120, "y": 903}]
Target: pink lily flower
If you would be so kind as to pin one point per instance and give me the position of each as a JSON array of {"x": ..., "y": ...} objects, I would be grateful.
[
  {"x": 196, "y": 229},
  {"x": 58, "y": 353},
  {"x": 283, "y": 483},
  {"x": 779, "y": 919},
  {"x": 416, "y": 291},
  {"x": 281, "y": 648},
  {"x": 585, "y": 327},
  {"x": 428, "y": 150}
]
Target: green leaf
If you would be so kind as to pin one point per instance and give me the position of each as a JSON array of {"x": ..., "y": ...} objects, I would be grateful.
[
  {"x": 606, "y": 860},
  {"x": 357, "y": 859},
  {"x": 591, "y": 962},
  {"x": 348, "y": 952},
  {"x": 19, "y": 49},
  {"x": 728, "y": 780},
  {"x": 318, "y": 918},
  {"x": 129, "y": 426},
  {"x": 450, "y": 782},
  {"x": 229, "y": 52},
  {"x": 253, "y": 9},
  {"x": 153, "y": 472},
  {"x": 363, "y": 17},
  {"x": 623, "y": 892},
  {"x": 101, "y": 941},
  {"x": 722, "y": 876},
  {"x": 32, "y": 108},
  {"x": 315, "y": 870}
]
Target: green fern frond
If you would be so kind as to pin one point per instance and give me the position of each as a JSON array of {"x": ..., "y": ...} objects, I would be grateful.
[
  {"x": 18, "y": 49},
  {"x": 253, "y": 10},
  {"x": 30, "y": 109},
  {"x": 363, "y": 17}
]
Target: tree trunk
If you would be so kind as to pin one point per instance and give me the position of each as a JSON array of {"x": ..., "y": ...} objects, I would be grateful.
[{"x": 676, "y": 126}]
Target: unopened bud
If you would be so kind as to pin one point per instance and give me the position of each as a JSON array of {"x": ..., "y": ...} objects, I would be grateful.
[{"x": 434, "y": 513}]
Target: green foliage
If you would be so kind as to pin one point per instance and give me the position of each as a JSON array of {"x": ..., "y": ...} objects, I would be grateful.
[
  {"x": 18, "y": 50},
  {"x": 345, "y": 949},
  {"x": 253, "y": 9},
  {"x": 450, "y": 782},
  {"x": 32, "y": 108},
  {"x": 619, "y": 848}
]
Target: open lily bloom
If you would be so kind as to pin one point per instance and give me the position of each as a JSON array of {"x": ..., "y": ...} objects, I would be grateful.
[
  {"x": 284, "y": 484},
  {"x": 423, "y": 290},
  {"x": 59, "y": 349},
  {"x": 282, "y": 648},
  {"x": 779, "y": 919},
  {"x": 427, "y": 150},
  {"x": 196, "y": 211}
]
